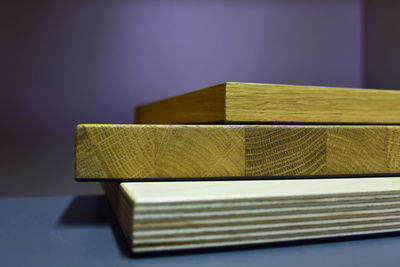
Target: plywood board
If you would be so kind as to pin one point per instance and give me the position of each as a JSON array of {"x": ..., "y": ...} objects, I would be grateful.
[
  {"x": 158, "y": 216},
  {"x": 212, "y": 151},
  {"x": 250, "y": 102}
]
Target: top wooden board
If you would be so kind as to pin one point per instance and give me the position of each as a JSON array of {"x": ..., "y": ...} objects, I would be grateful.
[{"x": 247, "y": 102}]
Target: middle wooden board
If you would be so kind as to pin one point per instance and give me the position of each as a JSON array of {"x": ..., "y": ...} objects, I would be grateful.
[{"x": 211, "y": 151}]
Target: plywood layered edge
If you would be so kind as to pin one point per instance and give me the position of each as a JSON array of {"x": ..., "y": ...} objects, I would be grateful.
[{"x": 185, "y": 215}]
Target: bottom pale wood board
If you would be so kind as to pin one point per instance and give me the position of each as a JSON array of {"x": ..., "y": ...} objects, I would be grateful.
[{"x": 158, "y": 216}]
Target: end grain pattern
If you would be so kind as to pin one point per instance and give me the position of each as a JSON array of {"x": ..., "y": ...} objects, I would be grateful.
[
  {"x": 163, "y": 216},
  {"x": 252, "y": 102},
  {"x": 213, "y": 151}
]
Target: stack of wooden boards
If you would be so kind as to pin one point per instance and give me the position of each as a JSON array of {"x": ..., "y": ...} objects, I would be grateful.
[{"x": 297, "y": 139}]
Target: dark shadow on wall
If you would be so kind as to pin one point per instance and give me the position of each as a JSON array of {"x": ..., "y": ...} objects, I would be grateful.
[{"x": 381, "y": 44}]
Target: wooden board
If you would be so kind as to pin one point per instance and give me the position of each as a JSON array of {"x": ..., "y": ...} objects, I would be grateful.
[
  {"x": 247, "y": 102},
  {"x": 212, "y": 151},
  {"x": 157, "y": 216}
]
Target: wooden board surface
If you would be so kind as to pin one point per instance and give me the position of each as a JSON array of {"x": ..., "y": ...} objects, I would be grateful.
[
  {"x": 212, "y": 151},
  {"x": 247, "y": 102},
  {"x": 158, "y": 216}
]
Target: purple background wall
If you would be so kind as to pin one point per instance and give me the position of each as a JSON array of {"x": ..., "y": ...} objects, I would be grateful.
[
  {"x": 85, "y": 61},
  {"x": 381, "y": 44}
]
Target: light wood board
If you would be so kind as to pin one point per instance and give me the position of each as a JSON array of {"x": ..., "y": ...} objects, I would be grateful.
[
  {"x": 212, "y": 151},
  {"x": 158, "y": 216},
  {"x": 251, "y": 102}
]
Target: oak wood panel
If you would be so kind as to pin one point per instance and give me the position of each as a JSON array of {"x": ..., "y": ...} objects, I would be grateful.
[
  {"x": 393, "y": 152},
  {"x": 181, "y": 215},
  {"x": 139, "y": 151},
  {"x": 358, "y": 149},
  {"x": 200, "y": 106},
  {"x": 178, "y": 153},
  {"x": 285, "y": 151},
  {"x": 251, "y": 102},
  {"x": 212, "y": 151}
]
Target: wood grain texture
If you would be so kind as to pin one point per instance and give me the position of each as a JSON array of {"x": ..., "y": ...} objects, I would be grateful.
[
  {"x": 393, "y": 152},
  {"x": 247, "y": 102},
  {"x": 158, "y": 216},
  {"x": 212, "y": 151},
  {"x": 200, "y": 106},
  {"x": 277, "y": 151}
]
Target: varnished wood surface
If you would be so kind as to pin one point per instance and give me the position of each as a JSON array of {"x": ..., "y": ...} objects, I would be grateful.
[
  {"x": 247, "y": 102},
  {"x": 211, "y": 151},
  {"x": 204, "y": 105},
  {"x": 158, "y": 216}
]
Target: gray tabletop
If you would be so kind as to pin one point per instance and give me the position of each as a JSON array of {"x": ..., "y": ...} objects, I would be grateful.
[{"x": 82, "y": 231}]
